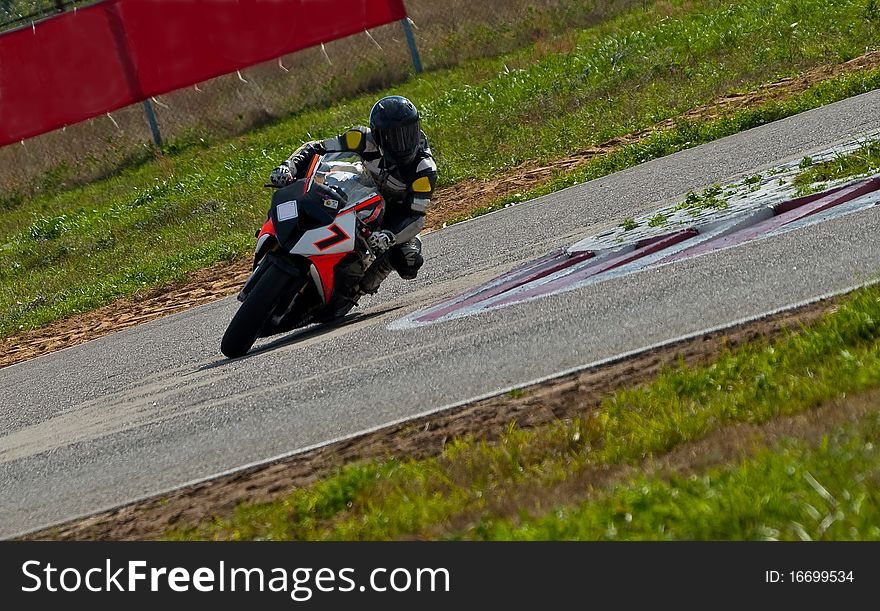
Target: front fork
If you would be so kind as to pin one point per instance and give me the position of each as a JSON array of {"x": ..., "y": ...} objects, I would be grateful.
[{"x": 261, "y": 264}]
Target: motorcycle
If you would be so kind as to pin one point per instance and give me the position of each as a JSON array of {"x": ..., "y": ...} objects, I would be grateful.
[{"x": 310, "y": 254}]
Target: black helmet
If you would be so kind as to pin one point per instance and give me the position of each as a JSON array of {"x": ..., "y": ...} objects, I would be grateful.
[{"x": 396, "y": 128}]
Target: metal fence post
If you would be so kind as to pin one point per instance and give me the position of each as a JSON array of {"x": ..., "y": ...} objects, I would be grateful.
[
  {"x": 154, "y": 127},
  {"x": 411, "y": 41}
]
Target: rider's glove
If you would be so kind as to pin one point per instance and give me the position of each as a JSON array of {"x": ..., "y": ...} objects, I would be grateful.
[
  {"x": 281, "y": 176},
  {"x": 302, "y": 157},
  {"x": 380, "y": 241}
]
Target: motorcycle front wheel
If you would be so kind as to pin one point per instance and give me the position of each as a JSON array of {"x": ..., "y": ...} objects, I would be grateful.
[{"x": 256, "y": 309}]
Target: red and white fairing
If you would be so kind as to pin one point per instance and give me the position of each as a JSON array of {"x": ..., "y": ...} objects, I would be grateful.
[{"x": 324, "y": 247}]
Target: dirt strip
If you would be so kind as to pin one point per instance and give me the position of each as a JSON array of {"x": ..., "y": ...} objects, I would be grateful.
[
  {"x": 562, "y": 398},
  {"x": 221, "y": 280}
]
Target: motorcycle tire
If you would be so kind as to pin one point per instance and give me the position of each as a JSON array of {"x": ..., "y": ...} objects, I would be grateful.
[{"x": 256, "y": 309}]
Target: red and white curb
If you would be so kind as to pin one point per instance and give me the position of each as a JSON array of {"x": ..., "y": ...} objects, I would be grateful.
[{"x": 581, "y": 265}]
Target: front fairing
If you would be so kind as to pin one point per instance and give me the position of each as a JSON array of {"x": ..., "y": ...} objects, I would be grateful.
[
  {"x": 293, "y": 212},
  {"x": 324, "y": 217}
]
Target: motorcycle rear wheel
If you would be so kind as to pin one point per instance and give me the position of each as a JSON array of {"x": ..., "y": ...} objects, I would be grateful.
[{"x": 256, "y": 309}]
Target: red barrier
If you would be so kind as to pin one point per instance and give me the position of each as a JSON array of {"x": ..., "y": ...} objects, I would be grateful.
[{"x": 78, "y": 65}]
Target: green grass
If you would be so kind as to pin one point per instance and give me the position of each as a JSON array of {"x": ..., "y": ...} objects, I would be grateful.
[
  {"x": 62, "y": 253},
  {"x": 687, "y": 134},
  {"x": 548, "y": 482},
  {"x": 709, "y": 198},
  {"x": 657, "y": 220},
  {"x": 861, "y": 162},
  {"x": 629, "y": 224},
  {"x": 795, "y": 491}
]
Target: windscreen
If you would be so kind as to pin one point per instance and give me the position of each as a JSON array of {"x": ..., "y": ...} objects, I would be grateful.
[{"x": 346, "y": 172}]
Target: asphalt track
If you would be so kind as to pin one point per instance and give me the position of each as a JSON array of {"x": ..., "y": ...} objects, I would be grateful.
[{"x": 152, "y": 407}]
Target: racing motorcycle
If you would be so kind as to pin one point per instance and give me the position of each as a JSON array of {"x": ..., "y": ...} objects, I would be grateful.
[{"x": 310, "y": 254}]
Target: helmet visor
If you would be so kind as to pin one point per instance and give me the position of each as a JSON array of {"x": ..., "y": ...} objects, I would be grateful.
[{"x": 400, "y": 142}]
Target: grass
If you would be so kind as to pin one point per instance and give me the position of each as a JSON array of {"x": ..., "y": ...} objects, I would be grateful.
[
  {"x": 709, "y": 198},
  {"x": 71, "y": 251},
  {"x": 795, "y": 491},
  {"x": 658, "y": 220},
  {"x": 861, "y": 162},
  {"x": 570, "y": 479},
  {"x": 688, "y": 134},
  {"x": 629, "y": 224}
]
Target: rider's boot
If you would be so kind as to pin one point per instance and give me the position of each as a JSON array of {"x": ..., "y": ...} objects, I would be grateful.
[
  {"x": 406, "y": 258},
  {"x": 376, "y": 274},
  {"x": 347, "y": 292},
  {"x": 344, "y": 305}
]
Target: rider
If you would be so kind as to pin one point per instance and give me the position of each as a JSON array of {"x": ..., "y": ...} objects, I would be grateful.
[{"x": 395, "y": 152}]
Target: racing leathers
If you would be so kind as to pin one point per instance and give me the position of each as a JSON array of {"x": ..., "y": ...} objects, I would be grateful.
[{"x": 406, "y": 189}]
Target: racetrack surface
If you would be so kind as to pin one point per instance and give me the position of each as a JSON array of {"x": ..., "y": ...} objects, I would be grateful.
[{"x": 155, "y": 406}]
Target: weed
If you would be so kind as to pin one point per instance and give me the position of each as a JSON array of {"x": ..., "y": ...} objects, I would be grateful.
[
  {"x": 863, "y": 161},
  {"x": 695, "y": 203},
  {"x": 657, "y": 220}
]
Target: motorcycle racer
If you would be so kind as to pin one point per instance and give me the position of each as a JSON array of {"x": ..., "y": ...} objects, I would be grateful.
[{"x": 396, "y": 153}]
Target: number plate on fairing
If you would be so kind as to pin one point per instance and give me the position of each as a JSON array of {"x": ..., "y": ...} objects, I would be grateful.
[{"x": 286, "y": 211}]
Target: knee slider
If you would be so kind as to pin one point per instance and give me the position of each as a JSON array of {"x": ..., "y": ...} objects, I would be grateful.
[{"x": 406, "y": 261}]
